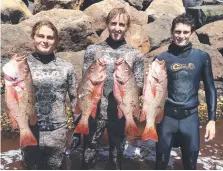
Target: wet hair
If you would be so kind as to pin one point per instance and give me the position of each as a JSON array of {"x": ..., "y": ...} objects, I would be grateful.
[
  {"x": 184, "y": 19},
  {"x": 46, "y": 23},
  {"x": 118, "y": 11}
]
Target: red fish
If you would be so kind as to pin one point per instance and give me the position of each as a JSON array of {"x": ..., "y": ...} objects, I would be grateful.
[
  {"x": 154, "y": 96},
  {"x": 20, "y": 98},
  {"x": 89, "y": 93},
  {"x": 126, "y": 93}
]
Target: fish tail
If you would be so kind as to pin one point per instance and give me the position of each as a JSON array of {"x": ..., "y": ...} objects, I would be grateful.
[
  {"x": 82, "y": 127},
  {"x": 150, "y": 134},
  {"x": 27, "y": 138},
  {"x": 131, "y": 128}
]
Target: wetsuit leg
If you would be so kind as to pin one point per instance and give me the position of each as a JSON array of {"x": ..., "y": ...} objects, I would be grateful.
[
  {"x": 53, "y": 144},
  {"x": 31, "y": 161},
  {"x": 92, "y": 142},
  {"x": 190, "y": 141},
  {"x": 116, "y": 135},
  {"x": 166, "y": 130}
]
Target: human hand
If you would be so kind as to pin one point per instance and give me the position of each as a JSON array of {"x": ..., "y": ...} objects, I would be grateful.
[{"x": 210, "y": 131}]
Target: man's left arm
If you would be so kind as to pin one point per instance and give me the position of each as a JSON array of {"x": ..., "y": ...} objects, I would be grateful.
[
  {"x": 211, "y": 98},
  {"x": 138, "y": 70}
]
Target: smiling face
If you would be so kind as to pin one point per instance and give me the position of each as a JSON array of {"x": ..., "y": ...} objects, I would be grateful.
[
  {"x": 117, "y": 27},
  {"x": 181, "y": 34},
  {"x": 44, "y": 40}
]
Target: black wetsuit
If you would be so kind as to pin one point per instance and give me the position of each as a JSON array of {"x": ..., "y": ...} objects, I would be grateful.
[{"x": 186, "y": 67}]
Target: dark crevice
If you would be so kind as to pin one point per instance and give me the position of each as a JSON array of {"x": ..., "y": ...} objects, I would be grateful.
[
  {"x": 203, "y": 38},
  {"x": 221, "y": 51}
]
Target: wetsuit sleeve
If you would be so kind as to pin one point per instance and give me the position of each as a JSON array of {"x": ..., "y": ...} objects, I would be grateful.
[
  {"x": 88, "y": 58},
  {"x": 72, "y": 87},
  {"x": 138, "y": 70},
  {"x": 210, "y": 91}
]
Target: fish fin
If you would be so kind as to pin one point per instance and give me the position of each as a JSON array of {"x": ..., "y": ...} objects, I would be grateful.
[
  {"x": 131, "y": 128},
  {"x": 154, "y": 90},
  {"x": 143, "y": 116},
  {"x": 137, "y": 112},
  {"x": 94, "y": 111},
  {"x": 27, "y": 138},
  {"x": 120, "y": 114},
  {"x": 82, "y": 127},
  {"x": 13, "y": 122},
  {"x": 150, "y": 134},
  {"x": 13, "y": 93},
  {"x": 77, "y": 110},
  {"x": 105, "y": 136},
  {"x": 159, "y": 117},
  {"x": 97, "y": 91},
  {"x": 33, "y": 120},
  {"x": 122, "y": 92}
]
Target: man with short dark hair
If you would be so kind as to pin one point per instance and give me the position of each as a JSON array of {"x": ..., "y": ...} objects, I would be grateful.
[{"x": 186, "y": 66}]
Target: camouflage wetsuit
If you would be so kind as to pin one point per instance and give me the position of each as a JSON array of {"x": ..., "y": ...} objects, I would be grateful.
[
  {"x": 52, "y": 77},
  {"x": 180, "y": 126},
  {"x": 107, "y": 112}
]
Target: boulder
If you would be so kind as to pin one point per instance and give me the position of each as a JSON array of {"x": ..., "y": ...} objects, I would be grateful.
[
  {"x": 135, "y": 36},
  {"x": 43, "y": 5},
  {"x": 14, "y": 11},
  {"x": 205, "y": 14},
  {"x": 158, "y": 32},
  {"x": 165, "y": 9},
  {"x": 74, "y": 27},
  {"x": 99, "y": 12},
  {"x": 216, "y": 59},
  {"x": 139, "y": 4},
  {"x": 76, "y": 59},
  {"x": 192, "y": 3},
  {"x": 212, "y": 34},
  {"x": 15, "y": 40},
  {"x": 88, "y": 3}
]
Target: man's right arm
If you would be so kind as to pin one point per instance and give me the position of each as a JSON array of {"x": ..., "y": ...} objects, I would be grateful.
[{"x": 88, "y": 58}]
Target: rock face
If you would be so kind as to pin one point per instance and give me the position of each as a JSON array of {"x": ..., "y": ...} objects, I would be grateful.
[
  {"x": 99, "y": 12},
  {"x": 74, "y": 27},
  {"x": 15, "y": 40},
  {"x": 212, "y": 34},
  {"x": 158, "y": 32},
  {"x": 14, "y": 11},
  {"x": 206, "y": 14},
  {"x": 43, "y": 5},
  {"x": 76, "y": 58},
  {"x": 165, "y": 8},
  {"x": 135, "y": 36}
]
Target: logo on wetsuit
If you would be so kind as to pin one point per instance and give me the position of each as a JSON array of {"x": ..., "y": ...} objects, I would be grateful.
[{"x": 177, "y": 66}]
